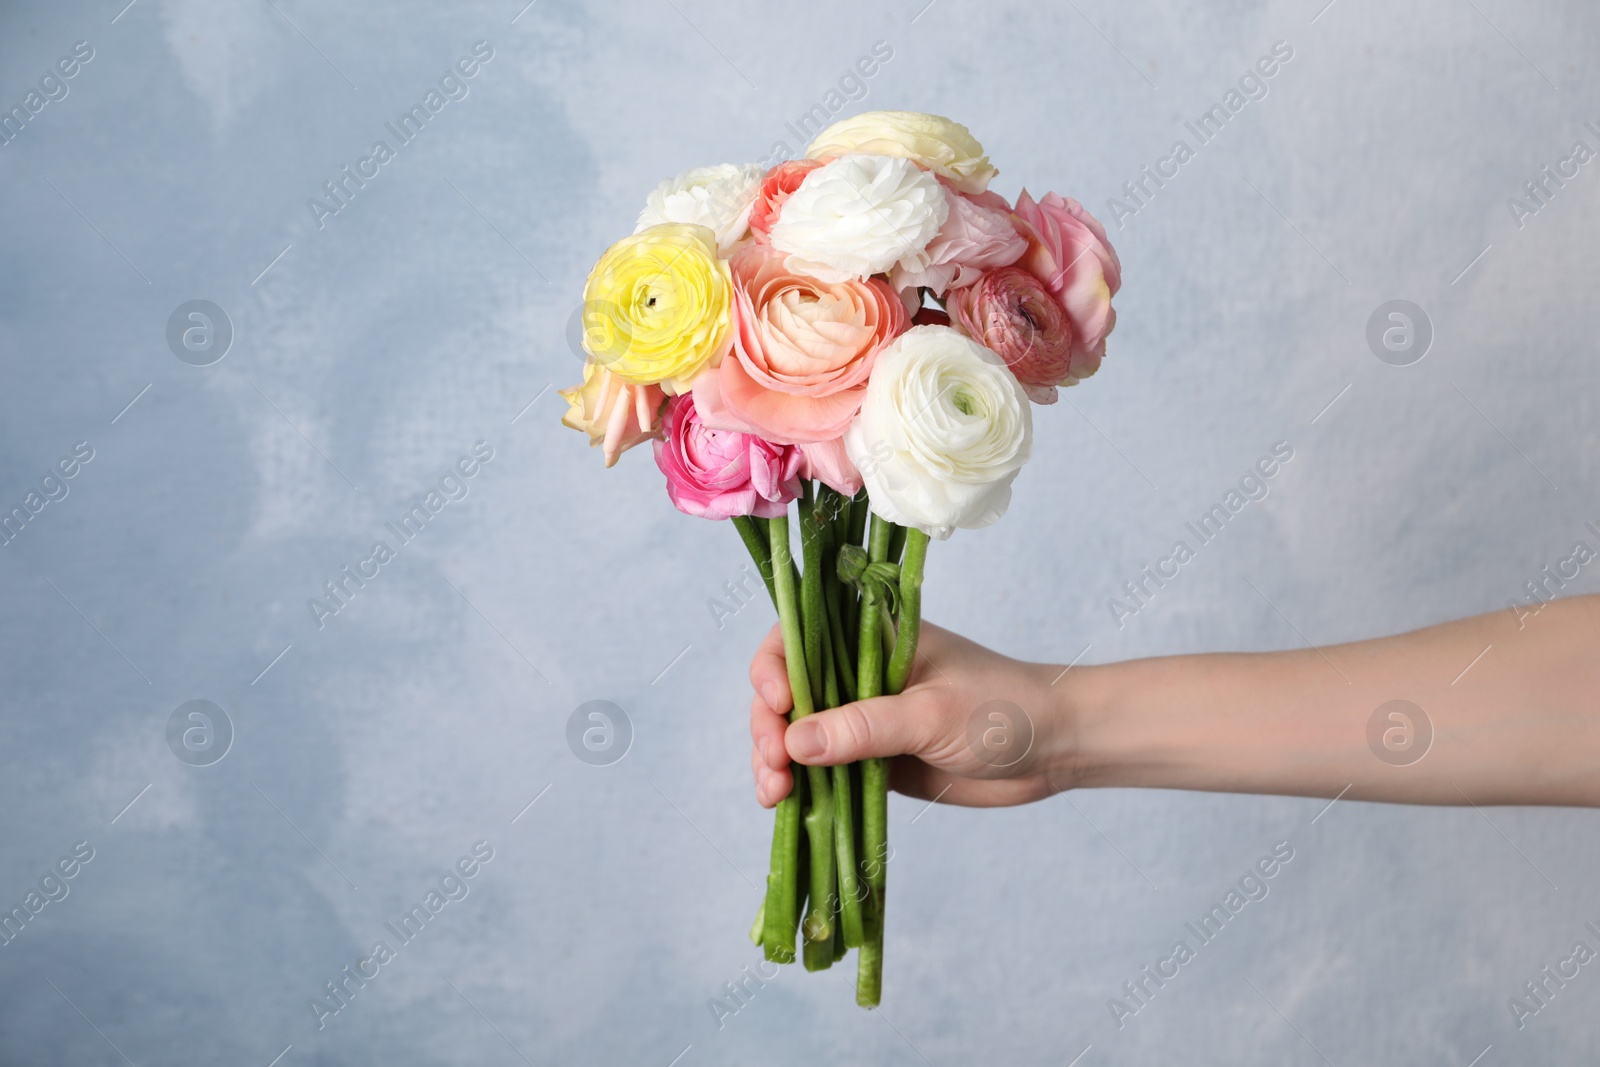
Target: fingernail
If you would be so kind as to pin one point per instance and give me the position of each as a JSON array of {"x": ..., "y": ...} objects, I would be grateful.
[
  {"x": 806, "y": 740},
  {"x": 769, "y": 693}
]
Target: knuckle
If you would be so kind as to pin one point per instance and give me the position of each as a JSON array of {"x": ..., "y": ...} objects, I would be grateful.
[{"x": 855, "y": 732}]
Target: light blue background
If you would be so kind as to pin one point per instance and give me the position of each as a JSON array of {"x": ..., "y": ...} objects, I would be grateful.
[{"x": 432, "y": 310}]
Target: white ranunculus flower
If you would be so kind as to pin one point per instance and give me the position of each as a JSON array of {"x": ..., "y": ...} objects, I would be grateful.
[
  {"x": 718, "y": 198},
  {"x": 940, "y": 144},
  {"x": 858, "y": 216},
  {"x": 942, "y": 432}
]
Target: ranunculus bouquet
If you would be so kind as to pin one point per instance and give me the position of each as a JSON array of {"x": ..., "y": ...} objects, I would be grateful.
[{"x": 859, "y": 332}]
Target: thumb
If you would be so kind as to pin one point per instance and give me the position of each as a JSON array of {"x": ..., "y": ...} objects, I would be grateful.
[{"x": 863, "y": 729}]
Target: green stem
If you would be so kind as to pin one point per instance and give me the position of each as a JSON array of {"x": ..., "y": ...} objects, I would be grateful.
[
  {"x": 897, "y": 543},
  {"x": 831, "y": 503},
  {"x": 780, "y": 912},
  {"x": 811, "y": 600},
  {"x": 905, "y": 645},
  {"x": 778, "y": 915},
  {"x": 852, "y": 926},
  {"x": 851, "y": 531},
  {"x": 874, "y": 785},
  {"x": 818, "y": 925},
  {"x": 869, "y": 664},
  {"x": 837, "y": 637},
  {"x": 755, "y": 539},
  {"x": 859, "y": 507},
  {"x": 783, "y": 878},
  {"x": 875, "y": 777}
]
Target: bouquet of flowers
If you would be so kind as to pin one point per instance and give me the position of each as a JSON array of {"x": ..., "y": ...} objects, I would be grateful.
[{"x": 861, "y": 333}]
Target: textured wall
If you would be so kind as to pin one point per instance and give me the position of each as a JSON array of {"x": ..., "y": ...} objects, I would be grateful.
[{"x": 372, "y": 349}]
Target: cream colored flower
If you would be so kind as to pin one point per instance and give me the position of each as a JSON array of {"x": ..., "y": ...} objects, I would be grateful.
[
  {"x": 947, "y": 148},
  {"x": 616, "y": 414}
]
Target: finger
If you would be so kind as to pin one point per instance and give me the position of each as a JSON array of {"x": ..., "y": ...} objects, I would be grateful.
[
  {"x": 769, "y": 673},
  {"x": 774, "y": 787},
  {"x": 766, "y": 734},
  {"x": 863, "y": 729}
]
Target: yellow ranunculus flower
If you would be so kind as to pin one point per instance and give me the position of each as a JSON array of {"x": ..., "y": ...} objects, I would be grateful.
[
  {"x": 943, "y": 146},
  {"x": 656, "y": 307}
]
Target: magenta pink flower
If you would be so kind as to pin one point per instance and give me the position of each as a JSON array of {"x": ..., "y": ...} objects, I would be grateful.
[
  {"x": 1069, "y": 252},
  {"x": 717, "y": 474}
]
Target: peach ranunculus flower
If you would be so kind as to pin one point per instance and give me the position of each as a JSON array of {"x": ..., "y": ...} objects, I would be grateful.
[
  {"x": 1010, "y": 312},
  {"x": 775, "y": 188},
  {"x": 1069, "y": 252},
  {"x": 802, "y": 351},
  {"x": 616, "y": 414}
]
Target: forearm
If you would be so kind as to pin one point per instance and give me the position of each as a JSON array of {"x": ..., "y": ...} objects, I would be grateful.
[{"x": 1521, "y": 726}]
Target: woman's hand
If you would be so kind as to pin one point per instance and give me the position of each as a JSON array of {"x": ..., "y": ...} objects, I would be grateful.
[
  {"x": 1496, "y": 709},
  {"x": 972, "y": 727}
]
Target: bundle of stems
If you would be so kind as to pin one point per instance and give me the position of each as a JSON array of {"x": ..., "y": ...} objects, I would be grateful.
[{"x": 850, "y": 612}]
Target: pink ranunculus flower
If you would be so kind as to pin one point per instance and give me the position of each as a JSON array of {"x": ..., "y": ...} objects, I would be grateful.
[
  {"x": 978, "y": 235},
  {"x": 1069, "y": 252},
  {"x": 718, "y": 474},
  {"x": 802, "y": 351},
  {"x": 828, "y": 463},
  {"x": 1010, "y": 312},
  {"x": 775, "y": 188}
]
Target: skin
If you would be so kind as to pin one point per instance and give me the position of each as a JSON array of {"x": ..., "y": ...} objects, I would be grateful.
[{"x": 1519, "y": 724}]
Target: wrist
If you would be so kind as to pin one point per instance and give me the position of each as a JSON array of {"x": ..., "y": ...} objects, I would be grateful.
[
  {"x": 1066, "y": 743},
  {"x": 1093, "y": 739}
]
